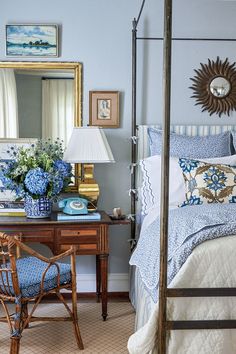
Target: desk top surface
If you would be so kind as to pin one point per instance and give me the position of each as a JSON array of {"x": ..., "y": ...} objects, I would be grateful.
[{"x": 22, "y": 220}]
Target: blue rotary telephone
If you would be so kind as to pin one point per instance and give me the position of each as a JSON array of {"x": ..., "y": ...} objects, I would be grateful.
[{"x": 74, "y": 206}]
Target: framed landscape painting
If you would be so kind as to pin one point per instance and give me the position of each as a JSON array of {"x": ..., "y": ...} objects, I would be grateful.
[{"x": 32, "y": 40}]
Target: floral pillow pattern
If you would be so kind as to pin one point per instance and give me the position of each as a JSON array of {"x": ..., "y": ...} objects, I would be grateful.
[{"x": 208, "y": 183}]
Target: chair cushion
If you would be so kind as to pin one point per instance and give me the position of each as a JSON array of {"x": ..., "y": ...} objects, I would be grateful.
[{"x": 30, "y": 271}]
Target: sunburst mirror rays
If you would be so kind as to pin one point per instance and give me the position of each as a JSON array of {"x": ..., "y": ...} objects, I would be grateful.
[{"x": 214, "y": 87}]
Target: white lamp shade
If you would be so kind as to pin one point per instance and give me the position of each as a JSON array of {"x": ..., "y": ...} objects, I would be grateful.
[{"x": 88, "y": 145}]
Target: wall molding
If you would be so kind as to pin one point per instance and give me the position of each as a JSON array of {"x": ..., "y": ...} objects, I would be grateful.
[{"x": 117, "y": 282}]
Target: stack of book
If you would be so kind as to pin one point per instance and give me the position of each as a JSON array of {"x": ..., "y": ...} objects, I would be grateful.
[
  {"x": 11, "y": 208},
  {"x": 59, "y": 216}
]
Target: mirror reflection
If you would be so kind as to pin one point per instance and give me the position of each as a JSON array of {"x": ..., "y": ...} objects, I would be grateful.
[
  {"x": 220, "y": 87},
  {"x": 37, "y": 103},
  {"x": 41, "y": 100}
]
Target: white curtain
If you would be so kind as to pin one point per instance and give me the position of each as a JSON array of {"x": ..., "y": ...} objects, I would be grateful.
[
  {"x": 9, "y": 127},
  {"x": 58, "y": 109}
]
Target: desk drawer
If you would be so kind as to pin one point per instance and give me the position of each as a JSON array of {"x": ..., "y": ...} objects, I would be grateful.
[
  {"x": 87, "y": 248},
  {"x": 31, "y": 235},
  {"x": 86, "y": 239},
  {"x": 81, "y": 232}
]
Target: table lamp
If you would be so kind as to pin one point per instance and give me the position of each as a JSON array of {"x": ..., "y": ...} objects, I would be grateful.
[{"x": 88, "y": 145}]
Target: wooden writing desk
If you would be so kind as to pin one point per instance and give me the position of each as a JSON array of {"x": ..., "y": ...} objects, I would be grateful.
[{"x": 90, "y": 237}]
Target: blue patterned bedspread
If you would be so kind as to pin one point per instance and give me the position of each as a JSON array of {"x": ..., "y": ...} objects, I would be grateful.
[{"x": 188, "y": 227}]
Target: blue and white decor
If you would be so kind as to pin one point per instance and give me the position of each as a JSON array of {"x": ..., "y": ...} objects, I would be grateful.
[
  {"x": 30, "y": 270},
  {"x": 38, "y": 208},
  {"x": 36, "y": 173},
  {"x": 207, "y": 183},
  {"x": 188, "y": 227}
]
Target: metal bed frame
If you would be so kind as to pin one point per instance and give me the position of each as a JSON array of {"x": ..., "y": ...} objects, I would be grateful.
[{"x": 164, "y": 292}]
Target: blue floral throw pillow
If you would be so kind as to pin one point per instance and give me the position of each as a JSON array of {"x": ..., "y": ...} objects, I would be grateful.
[{"x": 208, "y": 183}]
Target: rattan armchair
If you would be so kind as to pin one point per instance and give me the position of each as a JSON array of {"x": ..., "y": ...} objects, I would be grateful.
[{"x": 30, "y": 279}]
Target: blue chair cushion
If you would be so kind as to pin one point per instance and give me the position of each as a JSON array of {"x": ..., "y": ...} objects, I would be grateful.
[{"x": 30, "y": 271}]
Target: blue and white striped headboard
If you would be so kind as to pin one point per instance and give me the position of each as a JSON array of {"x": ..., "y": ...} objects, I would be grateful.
[{"x": 190, "y": 130}]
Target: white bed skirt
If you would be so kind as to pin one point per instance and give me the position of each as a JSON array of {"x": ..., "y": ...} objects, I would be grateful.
[{"x": 212, "y": 264}]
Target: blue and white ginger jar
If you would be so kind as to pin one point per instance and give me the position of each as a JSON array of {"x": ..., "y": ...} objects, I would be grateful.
[{"x": 38, "y": 208}]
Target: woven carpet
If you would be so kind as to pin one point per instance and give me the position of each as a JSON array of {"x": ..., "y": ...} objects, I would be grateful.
[{"x": 99, "y": 337}]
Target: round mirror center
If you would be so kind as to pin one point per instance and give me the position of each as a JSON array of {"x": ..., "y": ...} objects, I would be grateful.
[{"x": 220, "y": 87}]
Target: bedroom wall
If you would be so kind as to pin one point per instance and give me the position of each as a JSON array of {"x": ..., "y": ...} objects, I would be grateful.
[
  {"x": 192, "y": 19},
  {"x": 98, "y": 34}
]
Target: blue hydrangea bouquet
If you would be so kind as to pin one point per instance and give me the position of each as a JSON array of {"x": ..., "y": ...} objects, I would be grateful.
[{"x": 36, "y": 173}]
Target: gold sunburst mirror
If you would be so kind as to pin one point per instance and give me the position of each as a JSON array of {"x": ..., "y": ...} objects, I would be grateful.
[{"x": 214, "y": 87}]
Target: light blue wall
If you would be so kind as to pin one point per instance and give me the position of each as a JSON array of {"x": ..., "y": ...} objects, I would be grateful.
[
  {"x": 192, "y": 19},
  {"x": 98, "y": 34}
]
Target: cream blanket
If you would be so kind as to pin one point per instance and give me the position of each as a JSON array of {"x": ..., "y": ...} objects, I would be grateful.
[{"x": 212, "y": 264}]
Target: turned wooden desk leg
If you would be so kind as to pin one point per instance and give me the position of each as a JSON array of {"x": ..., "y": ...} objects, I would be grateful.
[
  {"x": 98, "y": 278},
  {"x": 104, "y": 273}
]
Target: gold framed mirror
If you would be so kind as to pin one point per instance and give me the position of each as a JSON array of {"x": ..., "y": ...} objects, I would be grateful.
[
  {"x": 214, "y": 87},
  {"x": 47, "y": 97}
]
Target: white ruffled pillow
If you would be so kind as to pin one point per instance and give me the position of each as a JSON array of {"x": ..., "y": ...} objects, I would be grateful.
[{"x": 151, "y": 182}]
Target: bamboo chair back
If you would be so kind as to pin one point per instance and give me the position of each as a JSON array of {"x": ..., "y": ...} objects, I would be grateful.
[{"x": 9, "y": 251}]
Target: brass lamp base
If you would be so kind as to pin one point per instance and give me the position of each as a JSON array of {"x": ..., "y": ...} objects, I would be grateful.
[{"x": 88, "y": 188}]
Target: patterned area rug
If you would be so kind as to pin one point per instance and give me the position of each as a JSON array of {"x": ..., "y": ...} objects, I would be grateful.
[{"x": 99, "y": 337}]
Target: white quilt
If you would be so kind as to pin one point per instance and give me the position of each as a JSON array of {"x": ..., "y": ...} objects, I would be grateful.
[{"x": 212, "y": 264}]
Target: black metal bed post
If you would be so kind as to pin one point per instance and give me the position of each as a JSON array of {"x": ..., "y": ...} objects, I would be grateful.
[
  {"x": 134, "y": 124},
  {"x": 133, "y": 143},
  {"x": 162, "y": 319}
]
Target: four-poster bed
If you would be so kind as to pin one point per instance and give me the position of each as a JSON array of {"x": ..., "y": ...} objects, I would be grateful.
[{"x": 183, "y": 288}]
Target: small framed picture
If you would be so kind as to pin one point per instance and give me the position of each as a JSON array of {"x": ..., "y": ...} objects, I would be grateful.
[
  {"x": 104, "y": 109},
  {"x": 32, "y": 40}
]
